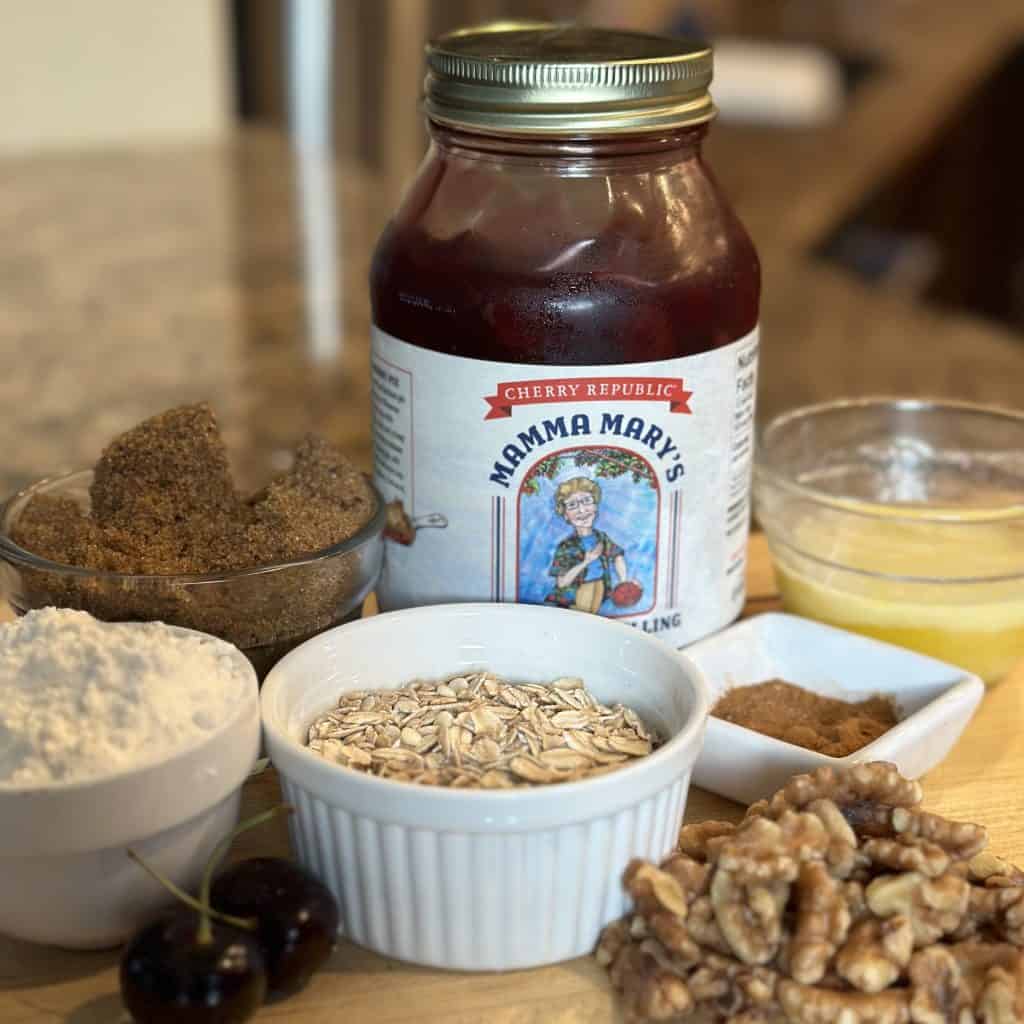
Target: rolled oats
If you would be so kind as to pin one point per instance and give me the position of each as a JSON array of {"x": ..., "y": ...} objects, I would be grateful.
[{"x": 482, "y": 732}]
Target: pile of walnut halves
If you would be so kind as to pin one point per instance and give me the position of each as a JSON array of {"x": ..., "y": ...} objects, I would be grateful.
[{"x": 837, "y": 900}]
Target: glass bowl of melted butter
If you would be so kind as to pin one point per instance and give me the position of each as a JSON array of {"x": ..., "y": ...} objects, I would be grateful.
[{"x": 904, "y": 520}]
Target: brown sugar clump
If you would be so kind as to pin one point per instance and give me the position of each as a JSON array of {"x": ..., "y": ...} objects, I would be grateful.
[
  {"x": 164, "y": 506},
  {"x": 163, "y": 503},
  {"x": 168, "y": 470},
  {"x": 320, "y": 501},
  {"x": 58, "y": 529},
  {"x": 163, "y": 496},
  {"x": 790, "y": 713}
]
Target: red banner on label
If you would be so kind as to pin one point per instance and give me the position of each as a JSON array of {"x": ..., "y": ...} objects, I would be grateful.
[{"x": 588, "y": 389}]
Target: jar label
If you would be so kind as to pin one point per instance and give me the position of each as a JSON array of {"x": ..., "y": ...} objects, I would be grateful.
[{"x": 622, "y": 490}]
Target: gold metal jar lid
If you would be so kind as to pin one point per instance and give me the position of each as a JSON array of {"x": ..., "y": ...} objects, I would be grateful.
[{"x": 540, "y": 78}]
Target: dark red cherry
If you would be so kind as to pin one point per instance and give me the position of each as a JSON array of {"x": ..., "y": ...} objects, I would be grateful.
[
  {"x": 296, "y": 916},
  {"x": 176, "y": 972}
]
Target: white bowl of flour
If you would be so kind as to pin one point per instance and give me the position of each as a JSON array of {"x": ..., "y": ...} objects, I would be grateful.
[{"x": 113, "y": 735}]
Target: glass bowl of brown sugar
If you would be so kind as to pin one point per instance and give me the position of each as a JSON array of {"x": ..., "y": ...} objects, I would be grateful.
[{"x": 265, "y": 610}]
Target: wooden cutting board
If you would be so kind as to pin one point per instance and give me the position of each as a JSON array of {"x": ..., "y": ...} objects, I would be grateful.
[{"x": 980, "y": 781}]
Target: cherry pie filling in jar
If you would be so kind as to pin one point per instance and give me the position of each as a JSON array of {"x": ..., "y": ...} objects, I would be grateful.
[{"x": 565, "y": 337}]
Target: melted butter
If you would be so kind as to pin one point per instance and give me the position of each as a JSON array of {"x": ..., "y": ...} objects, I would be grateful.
[{"x": 954, "y": 590}]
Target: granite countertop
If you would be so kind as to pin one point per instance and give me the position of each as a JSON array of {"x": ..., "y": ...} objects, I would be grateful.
[{"x": 134, "y": 280}]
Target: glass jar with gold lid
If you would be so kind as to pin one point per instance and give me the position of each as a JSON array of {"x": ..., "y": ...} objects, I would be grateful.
[{"x": 565, "y": 336}]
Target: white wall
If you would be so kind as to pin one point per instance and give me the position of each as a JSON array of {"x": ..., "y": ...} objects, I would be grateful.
[{"x": 76, "y": 73}]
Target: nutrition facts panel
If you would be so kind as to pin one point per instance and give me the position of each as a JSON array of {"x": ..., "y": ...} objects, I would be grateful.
[
  {"x": 741, "y": 453},
  {"x": 392, "y": 433},
  {"x": 741, "y": 447}
]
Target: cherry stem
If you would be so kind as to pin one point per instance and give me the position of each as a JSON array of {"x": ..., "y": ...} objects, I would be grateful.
[
  {"x": 247, "y": 923},
  {"x": 219, "y": 852}
]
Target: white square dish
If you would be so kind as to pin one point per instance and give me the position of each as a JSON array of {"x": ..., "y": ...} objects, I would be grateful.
[{"x": 936, "y": 700}]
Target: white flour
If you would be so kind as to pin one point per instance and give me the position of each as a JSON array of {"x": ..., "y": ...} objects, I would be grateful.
[{"x": 81, "y": 698}]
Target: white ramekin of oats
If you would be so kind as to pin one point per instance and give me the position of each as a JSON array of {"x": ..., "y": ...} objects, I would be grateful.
[{"x": 515, "y": 858}]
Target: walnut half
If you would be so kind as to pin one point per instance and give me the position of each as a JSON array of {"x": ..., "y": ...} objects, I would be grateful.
[{"x": 934, "y": 906}]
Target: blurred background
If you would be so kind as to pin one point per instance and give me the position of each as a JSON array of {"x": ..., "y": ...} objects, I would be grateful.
[{"x": 190, "y": 192}]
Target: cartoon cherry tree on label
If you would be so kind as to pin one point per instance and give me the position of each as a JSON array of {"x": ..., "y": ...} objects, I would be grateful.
[{"x": 607, "y": 497}]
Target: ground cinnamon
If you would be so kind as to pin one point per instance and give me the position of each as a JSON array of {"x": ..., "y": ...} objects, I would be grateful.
[{"x": 791, "y": 713}]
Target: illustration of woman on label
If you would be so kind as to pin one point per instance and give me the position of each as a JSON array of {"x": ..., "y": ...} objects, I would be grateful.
[
  {"x": 584, "y": 561},
  {"x": 587, "y": 533}
]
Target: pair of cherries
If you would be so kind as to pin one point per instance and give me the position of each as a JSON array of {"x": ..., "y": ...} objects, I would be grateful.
[{"x": 260, "y": 929}]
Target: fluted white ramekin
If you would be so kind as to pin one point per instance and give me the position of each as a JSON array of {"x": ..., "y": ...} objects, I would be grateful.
[{"x": 476, "y": 879}]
